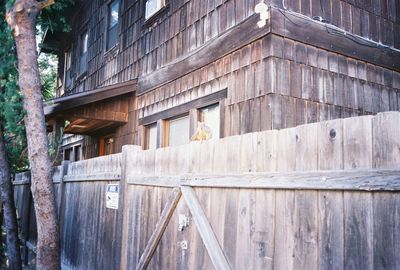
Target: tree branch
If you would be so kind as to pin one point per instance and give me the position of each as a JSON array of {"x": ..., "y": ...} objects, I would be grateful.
[{"x": 46, "y": 3}]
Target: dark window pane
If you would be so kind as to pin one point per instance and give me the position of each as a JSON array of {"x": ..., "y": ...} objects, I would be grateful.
[
  {"x": 68, "y": 80},
  {"x": 83, "y": 55},
  {"x": 112, "y": 37},
  {"x": 83, "y": 63}
]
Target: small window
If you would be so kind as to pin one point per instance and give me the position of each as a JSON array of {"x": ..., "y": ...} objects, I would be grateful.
[
  {"x": 151, "y": 137},
  {"x": 152, "y": 6},
  {"x": 106, "y": 145},
  {"x": 68, "y": 154},
  {"x": 210, "y": 116},
  {"x": 77, "y": 152},
  {"x": 68, "y": 79},
  {"x": 83, "y": 52},
  {"x": 178, "y": 131},
  {"x": 113, "y": 19}
]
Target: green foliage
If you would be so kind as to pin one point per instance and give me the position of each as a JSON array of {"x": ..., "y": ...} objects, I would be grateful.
[
  {"x": 11, "y": 111},
  {"x": 48, "y": 74},
  {"x": 11, "y": 108},
  {"x": 52, "y": 17}
]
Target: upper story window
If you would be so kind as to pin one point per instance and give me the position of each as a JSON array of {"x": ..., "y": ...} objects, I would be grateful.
[
  {"x": 152, "y": 7},
  {"x": 84, "y": 38},
  {"x": 67, "y": 74},
  {"x": 112, "y": 28}
]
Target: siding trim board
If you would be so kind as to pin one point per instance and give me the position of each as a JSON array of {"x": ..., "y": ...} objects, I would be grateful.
[{"x": 283, "y": 23}]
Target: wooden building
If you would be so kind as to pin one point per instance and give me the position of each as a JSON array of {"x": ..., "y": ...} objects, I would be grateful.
[{"x": 147, "y": 72}]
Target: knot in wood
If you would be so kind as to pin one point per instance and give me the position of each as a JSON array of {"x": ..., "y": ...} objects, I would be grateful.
[{"x": 332, "y": 133}]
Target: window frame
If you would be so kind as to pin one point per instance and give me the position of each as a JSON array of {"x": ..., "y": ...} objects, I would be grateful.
[
  {"x": 83, "y": 69},
  {"x": 146, "y": 143},
  {"x": 166, "y": 129},
  {"x": 116, "y": 26},
  {"x": 67, "y": 54},
  {"x": 163, "y": 5},
  {"x": 200, "y": 117},
  {"x": 102, "y": 144}
]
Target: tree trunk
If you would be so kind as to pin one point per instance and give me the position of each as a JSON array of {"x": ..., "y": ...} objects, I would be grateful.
[
  {"x": 10, "y": 216},
  {"x": 22, "y": 18}
]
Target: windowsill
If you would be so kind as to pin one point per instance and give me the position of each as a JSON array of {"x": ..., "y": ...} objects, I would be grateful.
[
  {"x": 153, "y": 18},
  {"x": 81, "y": 75},
  {"x": 113, "y": 50}
]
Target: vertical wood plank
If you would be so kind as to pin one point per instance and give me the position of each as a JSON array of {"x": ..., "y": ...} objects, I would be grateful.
[
  {"x": 358, "y": 227},
  {"x": 330, "y": 230},
  {"x": 306, "y": 230},
  {"x": 386, "y": 140},
  {"x": 330, "y": 145},
  {"x": 306, "y": 149},
  {"x": 357, "y": 142},
  {"x": 284, "y": 230},
  {"x": 386, "y": 230},
  {"x": 264, "y": 229}
]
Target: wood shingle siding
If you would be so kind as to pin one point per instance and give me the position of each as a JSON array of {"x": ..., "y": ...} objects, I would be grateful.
[{"x": 293, "y": 71}]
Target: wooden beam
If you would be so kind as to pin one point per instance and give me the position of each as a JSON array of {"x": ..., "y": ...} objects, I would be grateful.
[
  {"x": 326, "y": 36},
  {"x": 214, "y": 250},
  {"x": 360, "y": 180},
  {"x": 160, "y": 228},
  {"x": 155, "y": 181},
  {"x": 76, "y": 100},
  {"x": 229, "y": 41},
  {"x": 185, "y": 108}
]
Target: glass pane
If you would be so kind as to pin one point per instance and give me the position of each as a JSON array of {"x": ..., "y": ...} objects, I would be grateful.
[
  {"x": 112, "y": 37},
  {"x": 179, "y": 131},
  {"x": 152, "y": 6},
  {"x": 152, "y": 137},
  {"x": 211, "y": 118},
  {"x": 83, "y": 63},
  {"x": 84, "y": 41},
  {"x": 68, "y": 59},
  {"x": 114, "y": 14}
]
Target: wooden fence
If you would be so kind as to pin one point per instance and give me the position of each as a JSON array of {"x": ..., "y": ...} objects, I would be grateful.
[{"x": 318, "y": 196}]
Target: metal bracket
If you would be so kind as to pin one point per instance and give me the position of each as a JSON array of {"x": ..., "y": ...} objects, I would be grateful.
[{"x": 183, "y": 222}]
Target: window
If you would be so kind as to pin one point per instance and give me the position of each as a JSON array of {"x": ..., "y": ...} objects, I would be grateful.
[
  {"x": 210, "y": 116},
  {"x": 151, "y": 137},
  {"x": 83, "y": 52},
  {"x": 152, "y": 6},
  {"x": 112, "y": 28},
  {"x": 177, "y": 131},
  {"x": 77, "y": 152},
  {"x": 68, "y": 154},
  {"x": 106, "y": 145},
  {"x": 67, "y": 78}
]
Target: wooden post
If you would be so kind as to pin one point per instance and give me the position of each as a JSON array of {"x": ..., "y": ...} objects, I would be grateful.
[
  {"x": 63, "y": 173},
  {"x": 214, "y": 250}
]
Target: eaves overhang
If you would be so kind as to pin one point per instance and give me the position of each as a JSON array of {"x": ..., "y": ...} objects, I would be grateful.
[{"x": 60, "y": 104}]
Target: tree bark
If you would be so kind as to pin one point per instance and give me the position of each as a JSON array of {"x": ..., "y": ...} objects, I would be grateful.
[
  {"x": 22, "y": 18},
  {"x": 10, "y": 216}
]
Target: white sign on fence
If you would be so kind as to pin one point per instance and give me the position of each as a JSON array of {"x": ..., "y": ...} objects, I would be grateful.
[{"x": 112, "y": 196}]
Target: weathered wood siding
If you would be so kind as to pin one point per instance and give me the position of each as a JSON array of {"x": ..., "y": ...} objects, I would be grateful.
[{"x": 273, "y": 79}]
